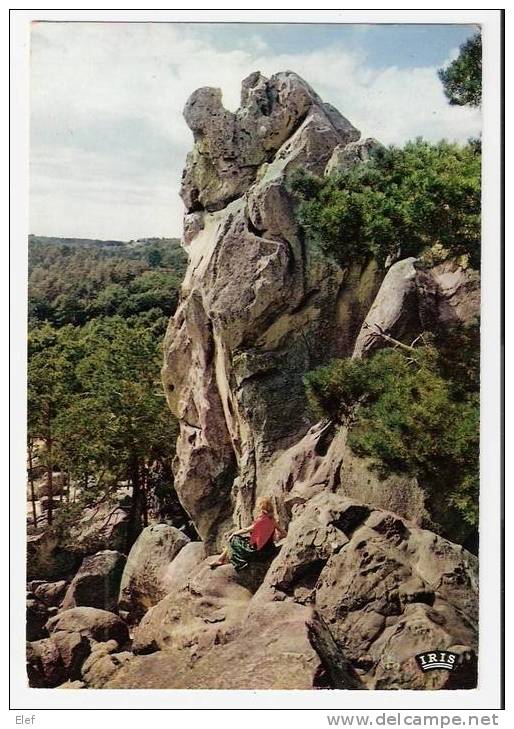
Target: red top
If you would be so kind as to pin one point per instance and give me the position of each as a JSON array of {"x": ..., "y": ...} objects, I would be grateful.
[{"x": 262, "y": 530}]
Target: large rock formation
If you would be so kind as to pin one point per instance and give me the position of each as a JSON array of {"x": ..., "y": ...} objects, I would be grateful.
[
  {"x": 353, "y": 596},
  {"x": 385, "y": 588},
  {"x": 258, "y": 308},
  {"x": 279, "y": 646}
]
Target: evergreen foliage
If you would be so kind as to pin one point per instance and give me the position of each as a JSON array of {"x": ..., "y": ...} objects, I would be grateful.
[
  {"x": 412, "y": 412},
  {"x": 96, "y": 405},
  {"x": 399, "y": 203},
  {"x": 462, "y": 78},
  {"x": 71, "y": 284}
]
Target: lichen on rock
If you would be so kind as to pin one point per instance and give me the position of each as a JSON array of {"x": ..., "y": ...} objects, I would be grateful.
[{"x": 258, "y": 307}]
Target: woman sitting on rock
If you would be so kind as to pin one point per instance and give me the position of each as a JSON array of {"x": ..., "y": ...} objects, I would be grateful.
[{"x": 255, "y": 543}]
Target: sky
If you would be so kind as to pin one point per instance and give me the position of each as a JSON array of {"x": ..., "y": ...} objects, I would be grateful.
[{"x": 108, "y": 141}]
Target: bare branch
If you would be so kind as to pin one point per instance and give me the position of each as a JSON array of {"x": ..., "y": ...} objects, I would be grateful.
[{"x": 394, "y": 341}]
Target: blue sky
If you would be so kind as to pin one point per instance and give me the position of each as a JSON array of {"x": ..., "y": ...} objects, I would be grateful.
[
  {"x": 108, "y": 141},
  {"x": 404, "y": 46}
]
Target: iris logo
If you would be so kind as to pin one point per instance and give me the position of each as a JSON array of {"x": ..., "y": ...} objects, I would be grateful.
[{"x": 437, "y": 659}]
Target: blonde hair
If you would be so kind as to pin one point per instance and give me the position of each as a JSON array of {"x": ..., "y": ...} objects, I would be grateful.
[{"x": 265, "y": 504}]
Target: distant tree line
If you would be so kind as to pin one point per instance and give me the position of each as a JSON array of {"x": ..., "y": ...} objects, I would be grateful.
[
  {"x": 72, "y": 284},
  {"x": 96, "y": 407}
]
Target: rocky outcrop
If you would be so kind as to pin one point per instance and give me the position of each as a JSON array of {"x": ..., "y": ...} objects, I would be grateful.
[
  {"x": 258, "y": 309},
  {"x": 346, "y": 156},
  {"x": 231, "y": 147},
  {"x": 97, "y": 582},
  {"x": 353, "y": 596},
  {"x": 92, "y": 623},
  {"x": 279, "y": 646},
  {"x": 143, "y": 582},
  {"x": 385, "y": 588}
]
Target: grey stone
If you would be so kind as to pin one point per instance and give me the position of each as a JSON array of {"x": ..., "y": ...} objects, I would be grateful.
[
  {"x": 346, "y": 156},
  {"x": 97, "y": 582},
  {"x": 142, "y": 582}
]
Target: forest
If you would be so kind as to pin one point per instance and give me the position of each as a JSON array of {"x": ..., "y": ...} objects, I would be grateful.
[{"x": 97, "y": 416}]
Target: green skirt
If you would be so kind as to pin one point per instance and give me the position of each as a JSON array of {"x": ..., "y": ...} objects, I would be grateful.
[{"x": 242, "y": 553}]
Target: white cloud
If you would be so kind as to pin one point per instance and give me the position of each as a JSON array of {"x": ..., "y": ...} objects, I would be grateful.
[{"x": 109, "y": 140}]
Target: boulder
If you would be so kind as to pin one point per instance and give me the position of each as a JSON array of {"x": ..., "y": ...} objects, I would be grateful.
[
  {"x": 47, "y": 560},
  {"x": 73, "y": 648},
  {"x": 51, "y": 593},
  {"x": 372, "y": 575},
  {"x": 179, "y": 571},
  {"x": 415, "y": 297},
  {"x": 45, "y": 668},
  {"x": 142, "y": 581},
  {"x": 98, "y": 671},
  {"x": 97, "y": 582},
  {"x": 395, "y": 311},
  {"x": 393, "y": 652},
  {"x": 208, "y": 609},
  {"x": 90, "y": 622},
  {"x": 98, "y": 650},
  {"x": 95, "y": 675},
  {"x": 346, "y": 156},
  {"x": 273, "y": 650},
  {"x": 100, "y": 527}
]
